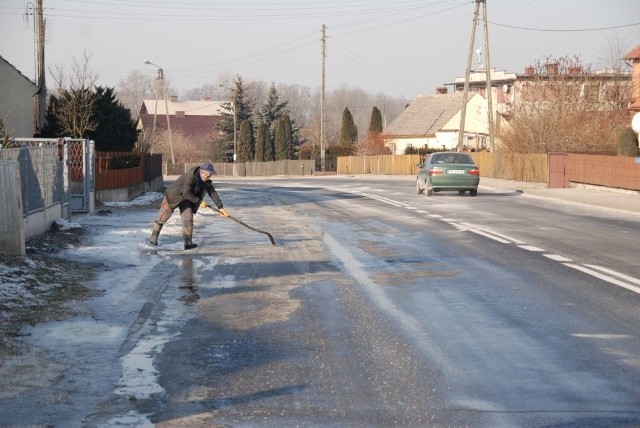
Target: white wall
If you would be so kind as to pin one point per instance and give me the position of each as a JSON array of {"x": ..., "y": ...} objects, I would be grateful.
[
  {"x": 16, "y": 101},
  {"x": 447, "y": 136}
]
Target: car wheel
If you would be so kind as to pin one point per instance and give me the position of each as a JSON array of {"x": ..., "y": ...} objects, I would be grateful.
[
  {"x": 473, "y": 192},
  {"x": 419, "y": 189},
  {"x": 461, "y": 192}
]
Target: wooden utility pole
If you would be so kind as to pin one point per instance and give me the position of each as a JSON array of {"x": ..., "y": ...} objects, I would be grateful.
[
  {"x": 160, "y": 84},
  {"x": 487, "y": 69},
  {"x": 324, "y": 57},
  {"x": 40, "y": 67},
  {"x": 166, "y": 106}
]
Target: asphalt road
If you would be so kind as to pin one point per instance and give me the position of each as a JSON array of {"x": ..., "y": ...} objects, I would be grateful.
[{"x": 377, "y": 307}]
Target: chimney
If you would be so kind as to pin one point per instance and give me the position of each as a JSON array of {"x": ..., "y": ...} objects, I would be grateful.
[
  {"x": 441, "y": 90},
  {"x": 206, "y": 99},
  {"x": 552, "y": 69},
  {"x": 174, "y": 98},
  {"x": 528, "y": 70},
  {"x": 575, "y": 70}
]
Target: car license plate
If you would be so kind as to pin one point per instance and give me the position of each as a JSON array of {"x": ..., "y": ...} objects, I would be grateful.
[{"x": 456, "y": 171}]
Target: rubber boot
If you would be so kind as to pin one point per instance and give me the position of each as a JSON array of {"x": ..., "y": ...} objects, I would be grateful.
[
  {"x": 157, "y": 227},
  {"x": 187, "y": 232}
]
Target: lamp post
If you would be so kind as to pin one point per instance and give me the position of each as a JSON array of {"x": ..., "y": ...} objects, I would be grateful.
[{"x": 161, "y": 84}]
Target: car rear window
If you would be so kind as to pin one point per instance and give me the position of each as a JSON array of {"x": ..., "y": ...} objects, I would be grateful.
[{"x": 453, "y": 158}]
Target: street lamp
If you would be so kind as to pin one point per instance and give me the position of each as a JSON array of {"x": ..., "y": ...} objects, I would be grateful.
[{"x": 161, "y": 84}]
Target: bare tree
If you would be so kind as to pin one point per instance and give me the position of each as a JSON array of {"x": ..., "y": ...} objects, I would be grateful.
[
  {"x": 149, "y": 142},
  {"x": 613, "y": 63},
  {"x": 74, "y": 97},
  {"x": 135, "y": 88},
  {"x": 562, "y": 105}
]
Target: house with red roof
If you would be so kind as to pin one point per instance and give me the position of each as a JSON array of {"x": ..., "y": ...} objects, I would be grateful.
[{"x": 193, "y": 124}]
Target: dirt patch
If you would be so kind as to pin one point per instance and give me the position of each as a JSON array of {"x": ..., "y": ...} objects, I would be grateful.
[
  {"x": 41, "y": 285},
  {"x": 248, "y": 310},
  {"x": 403, "y": 277},
  {"x": 29, "y": 369},
  {"x": 376, "y": 248}
]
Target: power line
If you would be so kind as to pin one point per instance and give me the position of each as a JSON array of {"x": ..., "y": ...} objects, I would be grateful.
[
  {"x": 232, "y": 11},
  {"x": 370, "y": 66},
  {"x": 563, "y": 30},
  {"x": 400, "y": 21}
]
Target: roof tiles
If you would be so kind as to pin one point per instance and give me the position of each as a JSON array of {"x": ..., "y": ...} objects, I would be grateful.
[{"x": 426, "y": 115}]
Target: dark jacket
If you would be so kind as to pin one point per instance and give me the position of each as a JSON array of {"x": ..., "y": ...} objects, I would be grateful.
[{"x": 189, "y": 186}]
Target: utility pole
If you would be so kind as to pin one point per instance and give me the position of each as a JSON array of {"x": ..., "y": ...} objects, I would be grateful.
[
  {"x": 384, "y": 115},
  {"x": 233, "y": 103},
  {"x": 42, "y": 86},
  {"x": 235, "y": 126},
  {"x": 324, "y": 57},
  {"x": 487, "y": 67},
  {"x": 166, "y": 107},
  {"x": 161, "y": 84}
]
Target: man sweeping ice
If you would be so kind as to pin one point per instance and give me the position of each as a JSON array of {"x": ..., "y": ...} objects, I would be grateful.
[{"x": 186, "y": 194}]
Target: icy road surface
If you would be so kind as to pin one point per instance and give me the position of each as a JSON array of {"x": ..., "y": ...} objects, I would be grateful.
[{"x": 377, "y": 307}]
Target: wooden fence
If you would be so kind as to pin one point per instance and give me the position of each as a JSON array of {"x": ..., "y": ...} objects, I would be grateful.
[
  {"x": 249, "y": 169},
  {"x": 149, "y": 168},
  {"x": 611, "y": 171},
  {"x": 532, "y": 167},
  {"x": 520, "y": 167},
  {"x": 594, "y": 169},
  {"x": 601, "y": 170},
  {"x": 380, "y": 165}
]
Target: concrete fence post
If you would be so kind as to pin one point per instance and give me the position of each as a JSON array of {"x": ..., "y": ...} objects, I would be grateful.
[{"x": 12, "y": 235}]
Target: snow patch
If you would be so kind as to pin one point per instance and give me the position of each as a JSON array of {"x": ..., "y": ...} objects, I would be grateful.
[
  {"x": 62, "y": 224},
  {"x": 144, "y": 199}
]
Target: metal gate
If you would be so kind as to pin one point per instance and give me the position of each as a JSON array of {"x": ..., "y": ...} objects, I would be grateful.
[
  {"x": 79, "y": 173},
  {"x": 82, "y": 176},
  {"x": 558, "y": 176}
]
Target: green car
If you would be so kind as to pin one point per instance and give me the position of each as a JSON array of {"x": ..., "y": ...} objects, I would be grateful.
[{"x": 448, "y": 171}]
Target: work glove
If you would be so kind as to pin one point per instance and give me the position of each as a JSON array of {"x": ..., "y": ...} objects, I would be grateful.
[{"x": 223, "y": 212}]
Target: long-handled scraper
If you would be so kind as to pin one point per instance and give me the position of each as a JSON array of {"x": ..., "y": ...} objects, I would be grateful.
[{"x": 273, "y": 241}]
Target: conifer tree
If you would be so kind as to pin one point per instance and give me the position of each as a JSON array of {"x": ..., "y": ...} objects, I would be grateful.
[
  {"x": 272, "y": 108},
  {"x": 243, "y": 111},
  {"x": 116, "y": 130},
  {"x": 375, "y": 124},
  {"x": 270, "y": 149},
  {"x": 348, "y": 131},
  {"x": 284, "y": 139},
  {"x": 246, "y": 142},
  {"x": 262, "y": 140}
]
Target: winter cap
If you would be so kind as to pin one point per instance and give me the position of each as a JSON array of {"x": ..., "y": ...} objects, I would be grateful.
[{"x": 208, "y": 167}]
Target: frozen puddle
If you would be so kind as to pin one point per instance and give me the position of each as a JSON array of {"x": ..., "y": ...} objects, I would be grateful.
[{"x": 139, "y": 377}]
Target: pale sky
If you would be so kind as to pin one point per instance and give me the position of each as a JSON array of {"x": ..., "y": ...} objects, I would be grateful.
[{"x": 399, "y": 48}]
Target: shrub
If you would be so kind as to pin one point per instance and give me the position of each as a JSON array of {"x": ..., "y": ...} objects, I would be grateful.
[
  {"x": 124, "y": 161},
  {"x": 627, "y": 142}
]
